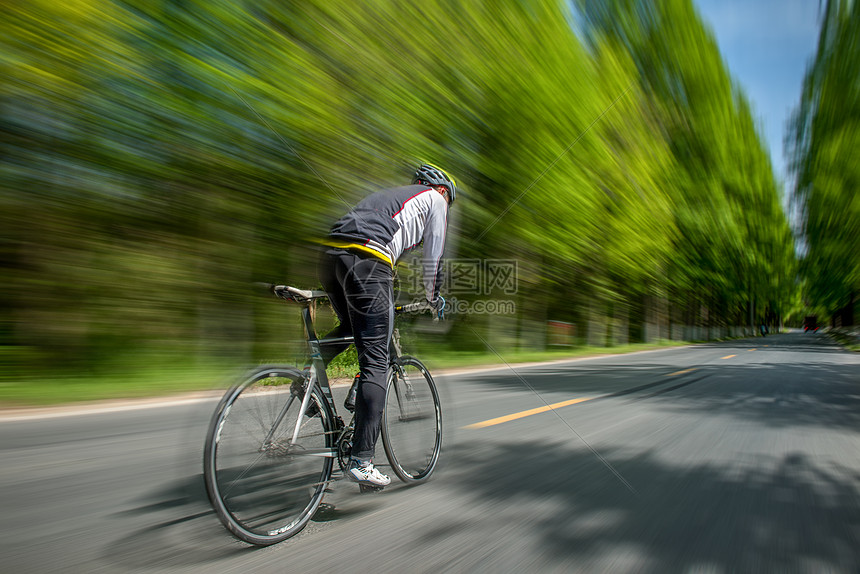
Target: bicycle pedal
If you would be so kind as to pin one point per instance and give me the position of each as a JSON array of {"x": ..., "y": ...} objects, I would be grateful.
[{"x": 366, "y": 488}]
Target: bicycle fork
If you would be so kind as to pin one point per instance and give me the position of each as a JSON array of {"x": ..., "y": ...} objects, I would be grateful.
[{"x": 396, "y": 351}]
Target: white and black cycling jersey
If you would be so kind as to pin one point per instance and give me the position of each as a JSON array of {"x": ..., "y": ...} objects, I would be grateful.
[{"x": 391, "y": 222}]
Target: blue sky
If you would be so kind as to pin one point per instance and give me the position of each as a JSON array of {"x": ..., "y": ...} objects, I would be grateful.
[{"x": 767, "y": 45}]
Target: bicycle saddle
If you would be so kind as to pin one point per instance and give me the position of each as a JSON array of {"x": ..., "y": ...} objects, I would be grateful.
[{"x": 298, "y": 294}]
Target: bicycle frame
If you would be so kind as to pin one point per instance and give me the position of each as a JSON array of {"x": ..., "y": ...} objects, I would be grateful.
[
  {"x": 318, "y": 373},
  {"x": 235, "y": 468}
]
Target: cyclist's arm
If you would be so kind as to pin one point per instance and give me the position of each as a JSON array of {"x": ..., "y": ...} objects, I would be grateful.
[{"x": 434, "y": 245}]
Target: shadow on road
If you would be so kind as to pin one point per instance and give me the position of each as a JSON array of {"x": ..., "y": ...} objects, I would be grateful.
[
  {"x": 789, "y": 511},
  {"x": 826, "y": 396},
  {"x": 181, "y": 530},
  {"x": 780, "y": 514}
]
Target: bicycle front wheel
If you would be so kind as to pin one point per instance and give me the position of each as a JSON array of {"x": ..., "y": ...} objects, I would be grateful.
[
  {"x": 412, "y": 421},
  {"x": 267, "y": 465}
]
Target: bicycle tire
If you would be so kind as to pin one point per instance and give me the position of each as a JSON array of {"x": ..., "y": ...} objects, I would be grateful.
[
  {"x": 412, "y": 421},
  {"x": 263, "y": 487}
]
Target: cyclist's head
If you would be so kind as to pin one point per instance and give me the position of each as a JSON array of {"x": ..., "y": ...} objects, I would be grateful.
[{"x": 431, "y": 175}]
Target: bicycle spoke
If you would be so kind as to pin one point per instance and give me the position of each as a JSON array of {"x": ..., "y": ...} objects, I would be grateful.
[
  {"x": 263, "y": 484},
  {"x": 242, "y": 475}
]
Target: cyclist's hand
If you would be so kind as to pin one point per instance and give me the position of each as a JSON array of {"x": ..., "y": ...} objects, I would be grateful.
[{"x": 438, "y": 306}]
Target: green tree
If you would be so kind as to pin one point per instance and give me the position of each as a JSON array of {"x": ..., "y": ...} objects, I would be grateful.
[{"x": 827, "y": 135}]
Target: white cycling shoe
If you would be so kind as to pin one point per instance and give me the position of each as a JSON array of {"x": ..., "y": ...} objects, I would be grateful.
[{"x": 366, "y": 474}]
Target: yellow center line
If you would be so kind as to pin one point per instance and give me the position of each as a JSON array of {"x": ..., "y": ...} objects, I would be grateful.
[
  {"x": 527, "y": 413},
  {"x": 680, "y": 372},
  {"x": 748, "y": 350},
  {"x": 728, "y": 356},
  {"x": 530, "y": 412}
]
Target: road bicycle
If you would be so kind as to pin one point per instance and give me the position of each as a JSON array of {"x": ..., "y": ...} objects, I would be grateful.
[{"x": 274, "y": 437}]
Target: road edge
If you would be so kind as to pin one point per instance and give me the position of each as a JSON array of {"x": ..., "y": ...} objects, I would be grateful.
[{"x": 18, "y": 414}]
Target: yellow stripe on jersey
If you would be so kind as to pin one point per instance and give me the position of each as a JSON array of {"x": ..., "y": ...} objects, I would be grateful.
[{"x": 359, "y": 247}]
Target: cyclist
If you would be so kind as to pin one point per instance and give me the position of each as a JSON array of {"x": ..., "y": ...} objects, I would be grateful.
[{"x": 357, "y": 271}]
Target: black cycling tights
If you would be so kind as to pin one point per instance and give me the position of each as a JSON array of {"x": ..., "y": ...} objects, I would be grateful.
[{"x": 361, "y": 292}]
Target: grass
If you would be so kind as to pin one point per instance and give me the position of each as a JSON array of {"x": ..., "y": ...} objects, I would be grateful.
[
  {"x": 846, "y": 338},
  {"x": 155, "y": 379},
  {"x": 43, "y": 390}
]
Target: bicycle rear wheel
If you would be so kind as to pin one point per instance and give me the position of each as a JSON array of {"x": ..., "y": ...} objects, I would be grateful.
[
  {"x": 264, "y": 486},
  {"x": 412, "y": 421}
]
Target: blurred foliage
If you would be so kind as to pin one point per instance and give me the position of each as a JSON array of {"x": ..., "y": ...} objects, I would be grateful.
[
  {"x": 160, "y": 156},
  {"x": 826, "y": 140}
]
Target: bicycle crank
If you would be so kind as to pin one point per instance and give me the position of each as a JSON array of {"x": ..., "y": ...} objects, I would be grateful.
[{"x": 344, "y": 448}]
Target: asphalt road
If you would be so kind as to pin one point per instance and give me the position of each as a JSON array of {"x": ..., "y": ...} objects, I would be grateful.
[{"x": 729, "y": 457}]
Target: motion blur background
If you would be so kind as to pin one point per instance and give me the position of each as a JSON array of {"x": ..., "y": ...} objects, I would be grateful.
[{"x": 159, "y": 157}]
